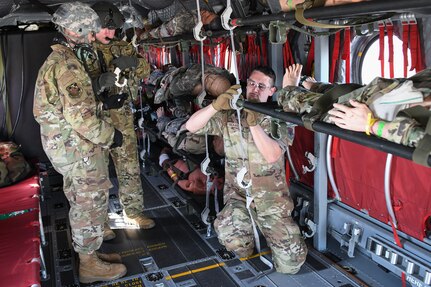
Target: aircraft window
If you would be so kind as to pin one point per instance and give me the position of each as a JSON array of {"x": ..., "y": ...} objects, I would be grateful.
[{"x": 370, "y": 66}]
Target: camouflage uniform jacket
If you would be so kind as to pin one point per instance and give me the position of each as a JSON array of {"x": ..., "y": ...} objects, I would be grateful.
[
  {"x": 266, "y": 178},
  {"x": 65, "y": 108},
  {"x": 402, "y": 130}
]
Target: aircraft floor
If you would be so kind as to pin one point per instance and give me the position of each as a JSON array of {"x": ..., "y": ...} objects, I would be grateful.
[{"x": 177, "y": 252}]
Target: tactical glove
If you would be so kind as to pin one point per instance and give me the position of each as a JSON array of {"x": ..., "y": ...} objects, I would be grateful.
[
  {"x": 222, "y": 101},
  {"x": 114, "y": 101},
  {"x": 104, "y": 81},
  {"x": 124, "y": 62},
  {"x": 118, "y": 139},
  {"x": 251, "y": 117}
]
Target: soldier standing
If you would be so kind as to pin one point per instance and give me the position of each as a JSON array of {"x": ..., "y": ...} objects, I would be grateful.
[
  {"x": 271, "y": 204},
  {"x": 75, "y": 139},
  {"x": 113, "y": 53}
]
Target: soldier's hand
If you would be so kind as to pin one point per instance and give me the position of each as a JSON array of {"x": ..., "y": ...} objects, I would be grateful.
[
  {"x": 251, "y": 117},
  {"x": 114, "y": 101},
  {"x": 104, "y": 81},
  {"x": 124, "y": 62},
  {"x": 222, "y": 101},
  {"x": 118, "y": 139}
]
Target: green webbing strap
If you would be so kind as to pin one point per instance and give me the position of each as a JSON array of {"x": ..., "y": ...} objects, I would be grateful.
[
  {"x": 299, "y": 15},
  {"x": 423, "y": 149},
  {"x": 325, "y": 102}
]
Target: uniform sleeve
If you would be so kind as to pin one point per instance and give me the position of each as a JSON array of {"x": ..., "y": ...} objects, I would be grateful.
[
  {"x": 215, "y": 125},
  {"x": 143, "y": 68},
  {"x": 297, "y": 99},
  {"x": 405, "y": 131},
  {"x": 80, "y": 106}
]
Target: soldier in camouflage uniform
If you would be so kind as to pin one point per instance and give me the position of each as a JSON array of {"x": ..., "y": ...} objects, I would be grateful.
[
  {"x": 271, "y": 205},
  {"x": 76, "y": 140},
  {"x": 114, "y": 53},
  {"x": 383, "y": 98}
]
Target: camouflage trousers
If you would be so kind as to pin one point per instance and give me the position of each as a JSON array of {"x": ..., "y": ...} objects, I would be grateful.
[
  {"x": 86, "y": 185},
  {"x": 235, "y": 231},
  {"x": 126, "y": 163}
]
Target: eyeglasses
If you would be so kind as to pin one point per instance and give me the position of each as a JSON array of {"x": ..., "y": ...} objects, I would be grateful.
[{"x": 253, "y": 85}]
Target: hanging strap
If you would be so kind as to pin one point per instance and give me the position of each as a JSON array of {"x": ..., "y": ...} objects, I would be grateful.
[
  {"x": 382, "y": 48},
  {"x": 249, "y": 200},
  {"x": 325, "y": 103},
  {"x": 346, "y": 53},
  {"x": 390, "y": 31},
  {"x": 335, "y": 54},
  {"x": 405, "y": 25}
]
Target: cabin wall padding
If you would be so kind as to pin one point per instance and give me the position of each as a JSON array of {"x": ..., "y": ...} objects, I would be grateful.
[{"x": 25, "y": 53}]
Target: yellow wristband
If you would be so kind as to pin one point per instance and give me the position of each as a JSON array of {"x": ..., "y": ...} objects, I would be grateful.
[
  {"x": 370, "y": 123},
  {"x": 173, "y": 175}
]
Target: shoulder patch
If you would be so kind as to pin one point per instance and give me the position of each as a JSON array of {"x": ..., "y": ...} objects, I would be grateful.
[{"x": 74, "y": 90}]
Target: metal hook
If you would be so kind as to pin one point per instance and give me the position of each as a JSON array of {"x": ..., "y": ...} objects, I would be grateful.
[
  {"x": 233, "y": 102},
  {"x": 225, "y": 17},
  {"x": 197, "y": 32},
  {"x": 240, "y": 178},
  {"x": 204, "y": 166},
  {"x": 117, "y": 76}
]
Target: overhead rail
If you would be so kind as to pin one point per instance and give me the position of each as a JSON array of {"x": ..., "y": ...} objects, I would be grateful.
[
  {"x": 339, "y": 11},
  {"x": 330, "y": 129},
  {"x": 189, "y": 37}
]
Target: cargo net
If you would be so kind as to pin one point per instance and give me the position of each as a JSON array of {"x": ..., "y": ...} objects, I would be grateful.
[{"x": 164, "y": 14}]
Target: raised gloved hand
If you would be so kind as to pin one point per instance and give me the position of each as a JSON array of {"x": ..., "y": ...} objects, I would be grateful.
[
  {"x": 118, "y": 139},
  {"x": 251, "y": 117},
  {"x": 124, "y": 62},
  {"x": 114, "y": 101},
  {"x": 222, "y": 101},
  {"x": 104, "y": 81}
]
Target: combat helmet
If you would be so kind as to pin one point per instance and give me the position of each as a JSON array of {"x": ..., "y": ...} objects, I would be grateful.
[
  {"x": 76, "y": 17},
  {"x": 110, "y": 16}
]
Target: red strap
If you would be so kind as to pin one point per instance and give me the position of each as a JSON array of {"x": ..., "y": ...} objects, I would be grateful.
[
  {"x": 287, "y": 55},
  {"x": 398, "y": 242},
  {"x": 287, "y": 172},
  {"x": 335, "y": 54},
  {"x": 264, "y": 50},
  {"x": 382, "y": 49},
  {"x": 310, "y": 59},
  {"x": 257, "y": 49},
  {"x": 405, "y": 46},
  {"x": 335, "y": 146},
  {"x": 346, "y": 53},
  {"x": 390, "y": 30}
]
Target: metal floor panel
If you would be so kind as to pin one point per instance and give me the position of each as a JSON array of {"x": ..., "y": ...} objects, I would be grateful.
[{"x": 177, "y": 252}]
